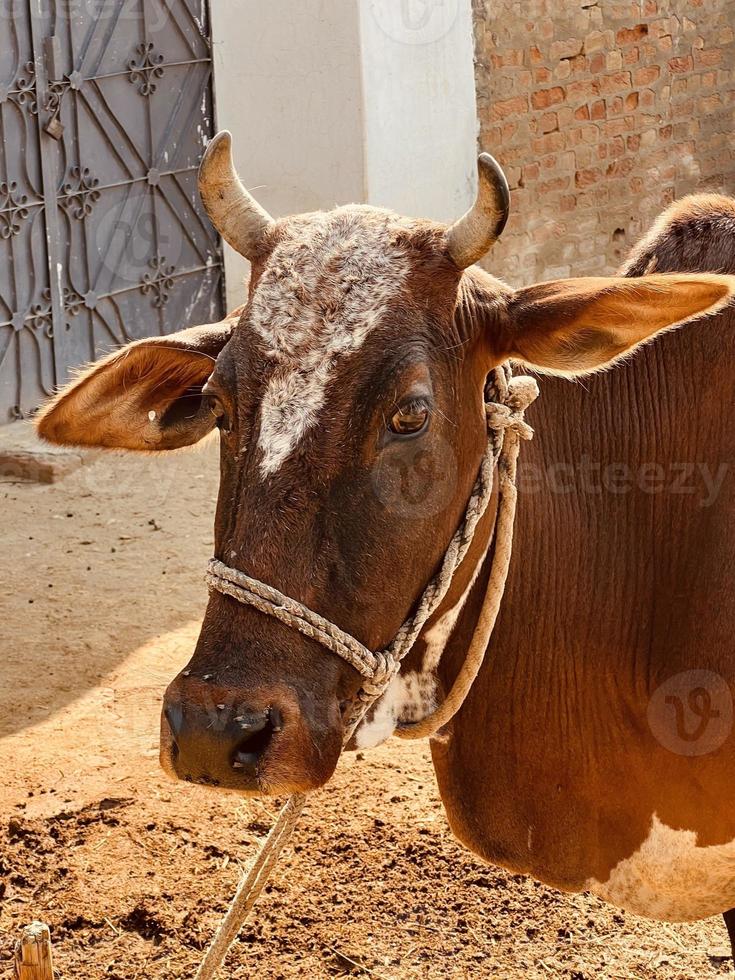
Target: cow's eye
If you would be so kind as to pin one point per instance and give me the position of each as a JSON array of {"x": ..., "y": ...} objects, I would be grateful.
[{"x": 410, "y": 419}]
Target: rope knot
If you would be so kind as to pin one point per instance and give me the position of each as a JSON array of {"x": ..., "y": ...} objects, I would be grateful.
[
  {"x": 521, "y": 392},
  {"x": 386, "y": 668}
]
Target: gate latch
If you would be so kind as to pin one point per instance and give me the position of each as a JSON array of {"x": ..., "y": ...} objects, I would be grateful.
[{"x": 56, "y": 88}]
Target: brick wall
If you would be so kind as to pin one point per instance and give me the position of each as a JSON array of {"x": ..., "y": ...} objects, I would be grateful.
[{"x": 601, "y": 114}]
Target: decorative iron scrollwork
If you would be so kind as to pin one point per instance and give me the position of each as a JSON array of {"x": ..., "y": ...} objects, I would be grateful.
[
  {"x": 25, "y": 88},
  {"x": 79, "y": 194},
  {"x": 13, "y": 210},
  {"x": 160, "y": 282},
  {"x": 55, "y": 93},
  {"x": 145, "y": 68},
  {"x": 41, "y": 315},
  {"x": 73, "y": 302}
]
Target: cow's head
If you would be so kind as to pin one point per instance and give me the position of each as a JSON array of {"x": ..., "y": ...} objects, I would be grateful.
[{"x": 349, "y": 397}]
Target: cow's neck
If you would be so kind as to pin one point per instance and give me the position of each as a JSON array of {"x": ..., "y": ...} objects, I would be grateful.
[{"x": 619, "y": 579}]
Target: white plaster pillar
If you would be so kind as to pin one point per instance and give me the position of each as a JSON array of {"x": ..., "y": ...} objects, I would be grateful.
[{"x": 337, "y": 101}]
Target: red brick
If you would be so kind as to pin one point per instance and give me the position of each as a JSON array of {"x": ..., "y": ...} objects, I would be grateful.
[
  {"x": 548, "y": 144},
  {"x": 541, "y": 75},
  {"x": 631, "y": 101},
  {"x": 578, "y": 64},
  {"x": 509, "y": 107},
  {"x": 567, "y": 48},
  {"x": 681, "y": 65},
  {"x": 620, "y": 168},
  {"x": 616, "y": 81},
  {"x": 585, "y": 178},
  {"x": 647, "y": 75},
  {"x": 709, "y": 59},
  {"x": 631, "y": 56},
  {"x": 633, "y": 142},
  {"x": 548, "y": 122},
  {"x": 582, "y": 113},
  {"x": 631, "y": 35},
  {"x": 597, "y": 63},
  {"x": 507, "y": 59},
  {"x": 547, "y": 97},
  {"x": 583, "y": 90},
  {"x": 597, "y": 109},
  {"x": 552, "y": 186}
]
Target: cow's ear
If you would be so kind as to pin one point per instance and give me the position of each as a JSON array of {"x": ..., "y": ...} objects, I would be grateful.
[
  {"x": 571, "y": 326},
  {"x": 147, "y": 396}
]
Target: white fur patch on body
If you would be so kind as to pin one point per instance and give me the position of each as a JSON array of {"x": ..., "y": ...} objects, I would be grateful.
[
  {"x": 669, "y": 877},
  {"x": 437, "y": 637},
  {"x": 410, "y": 697},
  {"x": 323, "y": 291}
]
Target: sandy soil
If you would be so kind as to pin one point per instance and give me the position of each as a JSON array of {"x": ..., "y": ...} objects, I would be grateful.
[{"x": 101, "y": 596}]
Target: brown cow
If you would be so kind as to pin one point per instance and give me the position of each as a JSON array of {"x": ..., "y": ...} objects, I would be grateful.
[{"x": 360, "y": 358}]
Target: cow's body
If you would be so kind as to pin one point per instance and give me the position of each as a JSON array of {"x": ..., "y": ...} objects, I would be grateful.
[
  {"x": 552, "y": 767},
  {"x": 360, "y": 358}
]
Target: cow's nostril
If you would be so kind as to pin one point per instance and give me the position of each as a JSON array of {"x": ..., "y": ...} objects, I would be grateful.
[{"x": 257, "y": 734}]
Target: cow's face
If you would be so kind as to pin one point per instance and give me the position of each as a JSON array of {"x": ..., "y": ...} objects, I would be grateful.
[
  {"x": 343, "y": 395},
  {"x": 349, "y": 397}
]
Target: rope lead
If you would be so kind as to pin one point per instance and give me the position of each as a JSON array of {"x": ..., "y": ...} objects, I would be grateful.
[{"x": 506, "y": 428}]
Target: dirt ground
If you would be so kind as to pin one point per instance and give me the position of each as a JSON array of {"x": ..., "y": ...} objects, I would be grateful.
[{"x": 101, "y": 580}]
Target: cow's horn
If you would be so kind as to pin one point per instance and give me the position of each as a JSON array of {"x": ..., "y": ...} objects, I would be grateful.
[
  {"x": 235, "y": 214},
  {"x": 477, "y": 231}
]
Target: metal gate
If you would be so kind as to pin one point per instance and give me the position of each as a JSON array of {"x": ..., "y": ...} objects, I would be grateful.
[{"x": 104, "y": 110}]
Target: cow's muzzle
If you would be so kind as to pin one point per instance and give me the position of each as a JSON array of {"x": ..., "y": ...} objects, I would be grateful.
[
  {"x": 254, "y": 739},
  {"x": 210, "y": 735}
]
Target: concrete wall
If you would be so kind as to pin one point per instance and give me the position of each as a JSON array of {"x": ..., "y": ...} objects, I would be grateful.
[
  {"x": 602, "y": 114},
  {"x": 420, "y": 120},
  {"x": 288, "y": 85},
  {"x": 337, "y": 101}
]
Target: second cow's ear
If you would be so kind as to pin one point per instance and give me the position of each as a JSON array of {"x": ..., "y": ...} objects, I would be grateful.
[
  {"x": 573, "y": 326},
  {"x": 146, "y": 396}
]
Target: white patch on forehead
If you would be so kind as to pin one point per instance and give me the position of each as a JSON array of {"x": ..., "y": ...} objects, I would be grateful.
[
  {"x": 669, "y": 877},
  {"x": 409, "y": 697},
  {"x": 323, "y": 291}
]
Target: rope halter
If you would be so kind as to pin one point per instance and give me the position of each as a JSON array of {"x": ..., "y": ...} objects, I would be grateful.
[{"x": 507, "y": 399}]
